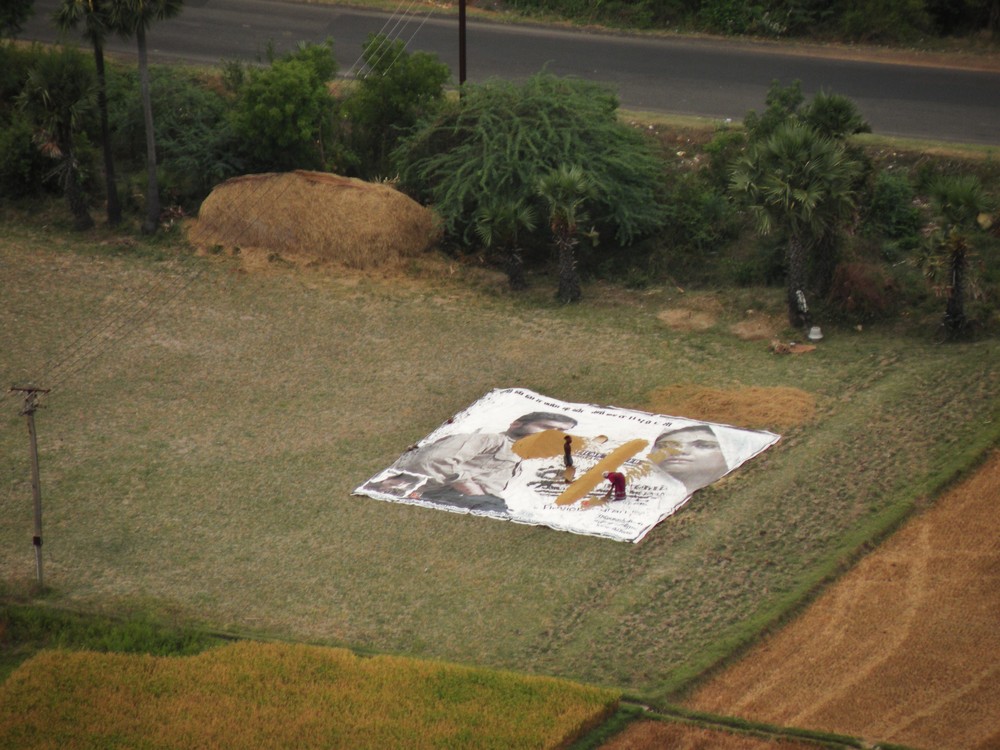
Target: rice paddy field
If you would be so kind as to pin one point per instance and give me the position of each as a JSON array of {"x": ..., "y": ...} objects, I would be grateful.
[{"x": 206, "y": 426}]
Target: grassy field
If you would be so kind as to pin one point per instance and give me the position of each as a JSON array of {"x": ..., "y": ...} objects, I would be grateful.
[
  {"x": 207, "y": 426},
  {"x": 256, "y": 695}
]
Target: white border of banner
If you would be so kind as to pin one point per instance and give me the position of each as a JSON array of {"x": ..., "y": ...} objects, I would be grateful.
[{"x": 473, "y": 463}]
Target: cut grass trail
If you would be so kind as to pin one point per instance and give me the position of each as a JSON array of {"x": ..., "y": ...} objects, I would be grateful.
[{"x": 204, "y": 462}]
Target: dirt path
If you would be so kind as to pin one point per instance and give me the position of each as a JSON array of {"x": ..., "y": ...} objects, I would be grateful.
[{"x": 903, "y": 649}]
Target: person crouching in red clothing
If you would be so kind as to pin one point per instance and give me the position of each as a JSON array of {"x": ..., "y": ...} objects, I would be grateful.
[{"x": 617, "y": 487}]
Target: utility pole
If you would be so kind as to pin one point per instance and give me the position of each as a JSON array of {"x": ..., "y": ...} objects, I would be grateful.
[
  {"x": 30, "y": 406},
  {"x": 461, "y": 44}
]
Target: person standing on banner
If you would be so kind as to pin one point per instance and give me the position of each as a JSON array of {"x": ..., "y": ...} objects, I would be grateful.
[
  {"x": 568, "y": 458},
  {"x": 617, "y": 487}
]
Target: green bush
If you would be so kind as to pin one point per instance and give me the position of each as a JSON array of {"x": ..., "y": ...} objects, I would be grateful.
[
  {"x": 501, "y": 138},
  {"x": 891, "y": 212},
  {"x": 23, "y": 168},
  {"x": 884, "y": 20},
  {"x": 700, "y": 225},
  {"x": 15, "y": 62},
  {"x": 631, "y": 13},
  {"x": 13, "y": 15},
  {"x": 398, "y": 89},
  {"x": 283, "y": 115},
  {"x": 726, "y": 145},
  {"x": 195, "y": 144},
  {"x": 729, "y": 16}
]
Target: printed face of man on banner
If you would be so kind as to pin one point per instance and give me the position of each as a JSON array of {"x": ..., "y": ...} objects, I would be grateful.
[{"x": 504, "y": 457}]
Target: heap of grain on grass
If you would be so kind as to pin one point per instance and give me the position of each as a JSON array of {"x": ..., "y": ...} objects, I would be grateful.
[
  {"x": 755, "y": 407},
  {"x": 314, "y": 217}
]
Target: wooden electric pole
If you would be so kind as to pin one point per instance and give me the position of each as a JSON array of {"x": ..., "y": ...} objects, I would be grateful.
[
  {"x": 461, "y": 44},
  {"x": 30, "y": 406}
]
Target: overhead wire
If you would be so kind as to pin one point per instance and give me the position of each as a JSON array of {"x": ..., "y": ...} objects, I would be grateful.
[
  {"x": 108, "y": 329},
  {"x": 99, "y": 337},
  {"x": 386, "y": 44},
  {"x": 382, "y": 35}
]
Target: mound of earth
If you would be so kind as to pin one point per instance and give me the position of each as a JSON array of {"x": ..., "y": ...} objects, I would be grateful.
[
  {"x": 314, "y": 217},
  {"x": 756, "y": 408}
]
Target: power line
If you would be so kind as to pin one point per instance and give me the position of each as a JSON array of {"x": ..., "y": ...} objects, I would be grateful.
[{"x": 386, "y": 43}]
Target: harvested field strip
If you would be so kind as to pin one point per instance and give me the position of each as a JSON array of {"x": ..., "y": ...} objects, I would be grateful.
[
  {"x": 637, "y": 727},
  {"x": 647, "y": 735},
  {"x": 254, "y": 695},
  {"x": 903, "y": 648}
]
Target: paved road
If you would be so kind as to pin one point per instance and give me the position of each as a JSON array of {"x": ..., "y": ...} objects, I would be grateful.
[{"x": 692, "y": 77}]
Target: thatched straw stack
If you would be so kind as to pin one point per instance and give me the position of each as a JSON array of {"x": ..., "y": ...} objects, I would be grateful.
[{"x": 314, "y": 217}]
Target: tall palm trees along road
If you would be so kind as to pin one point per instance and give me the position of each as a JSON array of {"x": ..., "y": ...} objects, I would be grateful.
[{"x": 708, "y": 78}]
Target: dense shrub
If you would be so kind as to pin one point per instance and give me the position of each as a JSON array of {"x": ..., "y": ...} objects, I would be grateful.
[
  {"x": 13, "y": 15},
  {"x": 863, "y": 292},
  {"x": 15, "y": 62},
  {"x": 501, "y": 138},
  {"x": 23, "y": 168},
  {"x": 196, "y": 147},
  {"x": 391, "y": 96},
  {"x": 283, "y": 115},
  {"x": 891, "y": 212},
  {"x": 883, "y": 20},
  {"x": 857, "y": 20},
  {"x": 699, "y": 226}
]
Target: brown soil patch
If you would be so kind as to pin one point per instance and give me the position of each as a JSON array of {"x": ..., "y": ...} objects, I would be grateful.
[
  {"x": 699, "y": 313},
  {"x": 903, "y": 649},
  {"x": 757, "y": 327},
  {"x": 683, "y": 319},
  {"x": 656, "y": 735},
  {"x": 755, "y": 407},
  {"x": 310, "y": 218}
]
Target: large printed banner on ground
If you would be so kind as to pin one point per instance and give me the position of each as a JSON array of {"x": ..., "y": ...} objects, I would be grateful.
[{"x": 520, "y": 456}]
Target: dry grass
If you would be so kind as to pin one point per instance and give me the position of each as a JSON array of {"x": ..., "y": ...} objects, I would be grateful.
[
  {"x": 757, "y": 327},
  {"x": 755, "y": 407},
  {"x": 903, "y": 648},
  {"x": 310, "y": 218},
  {"x": 254, "y": 695},
  {"x": 684, "y": 319},
  {"x": 700, "y": 312}
]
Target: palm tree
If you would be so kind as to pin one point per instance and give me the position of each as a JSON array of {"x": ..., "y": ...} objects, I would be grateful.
[
  {"x": 565, "y": 191},
  {"x": 57, "y": 95},
  {"x": 498, "y": 224},
  {"x": 957, "y": 201},
  {"x": 129, "y": 17},
  {"x": 801, "y": 183},
  {"x": 94, "y": 15}
]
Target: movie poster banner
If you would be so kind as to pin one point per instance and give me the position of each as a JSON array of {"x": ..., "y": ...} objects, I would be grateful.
[{"x": 519, "y": 456}]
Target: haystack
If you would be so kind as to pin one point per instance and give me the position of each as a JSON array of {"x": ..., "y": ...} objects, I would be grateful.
[{"x": 310, "y": 217}]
